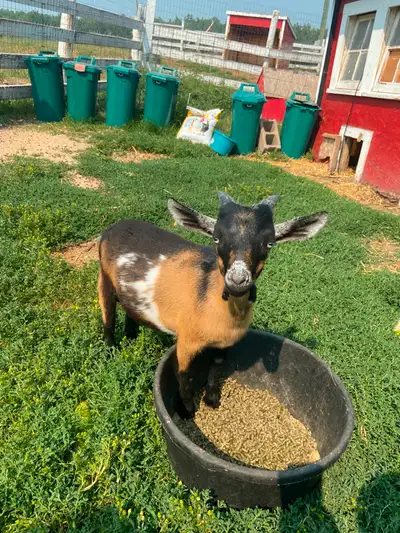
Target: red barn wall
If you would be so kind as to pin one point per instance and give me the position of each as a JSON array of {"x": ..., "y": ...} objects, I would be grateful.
[{"x": 382, "y": 166}]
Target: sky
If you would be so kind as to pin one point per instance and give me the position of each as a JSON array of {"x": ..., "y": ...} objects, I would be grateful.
[
  {"x": 307, "y": 11},
  {"x": 302, "y": 12}
]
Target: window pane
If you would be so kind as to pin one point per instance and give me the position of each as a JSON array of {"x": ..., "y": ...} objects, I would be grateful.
[
  {"x": 389, "y": 70},
  {"x": 360, "y": 67},
  {"x": 395, "y": 40},
  {"x": 349, "y": 66},
  {"x": 368, "y": 35},
  {"x": 359, "y": 35}
]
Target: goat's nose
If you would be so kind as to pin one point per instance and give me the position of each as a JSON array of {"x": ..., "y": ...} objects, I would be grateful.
[{"x": 239, "y": 277}]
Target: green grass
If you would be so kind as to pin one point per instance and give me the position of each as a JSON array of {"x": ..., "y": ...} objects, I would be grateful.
[{"x": 81, "y": 446}]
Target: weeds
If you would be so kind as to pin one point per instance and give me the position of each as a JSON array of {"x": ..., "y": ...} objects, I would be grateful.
[{"x": 81, "y": 446}]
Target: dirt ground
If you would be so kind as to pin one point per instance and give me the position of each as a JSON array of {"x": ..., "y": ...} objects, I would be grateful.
[
  {"x": 384, "y": 254},
  {"x": 78, "y": 255},
  {"x": 84, "y": 182},
  {"x": 33, "y": 142},
  {"x": 343, "y": 183},
  {"x": 136, "y": 156}
]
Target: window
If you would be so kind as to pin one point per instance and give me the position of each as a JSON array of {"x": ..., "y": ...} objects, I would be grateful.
[
  {"x": 390, "y": 68},
  {"x": 367, "y": 59},
  {"x": 355, "y": 56}
]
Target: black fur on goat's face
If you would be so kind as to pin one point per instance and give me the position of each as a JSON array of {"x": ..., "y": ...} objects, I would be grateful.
[{"x": 243, "y": 237}]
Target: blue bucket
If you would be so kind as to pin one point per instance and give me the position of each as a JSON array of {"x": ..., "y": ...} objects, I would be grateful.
[{"x": 222, "y": 144}]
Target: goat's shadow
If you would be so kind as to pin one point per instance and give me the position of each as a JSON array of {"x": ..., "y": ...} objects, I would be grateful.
[{"x": 378, "y": 504}]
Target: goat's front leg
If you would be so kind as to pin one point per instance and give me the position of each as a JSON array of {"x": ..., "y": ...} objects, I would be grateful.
[
  {"x": 212, "y": 395},
  {"x": 186, "y": 352}
]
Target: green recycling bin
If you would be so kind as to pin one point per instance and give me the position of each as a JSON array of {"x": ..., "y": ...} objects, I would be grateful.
[
  {"x": 248, "y": 102},
  {"x": 298, "y": 124},
  {"x": 122, "y": 84},
  {"x": 45, "y": 72},
  {"x": 82, "y": 81},
  {"x": 161, "y": 92}
]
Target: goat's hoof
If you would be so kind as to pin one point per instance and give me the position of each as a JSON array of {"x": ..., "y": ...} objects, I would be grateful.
[
  {"x": 212, "y": 399},
  {"x": 109, "y": 342}
]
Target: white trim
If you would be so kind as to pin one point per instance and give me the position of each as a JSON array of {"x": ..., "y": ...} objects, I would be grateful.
[
  {"x": 361, "y": 135},
  {"x": 254, "y": 15},
  {"x": 366, "y": 94},
  {"x": 367, "y": 85},
  {"x": 387, "y": 87},
  {"x": 282, "y": 32}
]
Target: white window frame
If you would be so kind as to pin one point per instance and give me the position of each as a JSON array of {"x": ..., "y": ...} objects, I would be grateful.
[
  {"x": 368, "y": 86},
  {"x": 386, "y": 87},
  {"x": 353, "y": 22}
]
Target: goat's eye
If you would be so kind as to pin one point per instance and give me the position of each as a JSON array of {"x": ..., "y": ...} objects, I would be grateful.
[
  {"x": 270, "y": 244},
  {"x": 216, "y": 240}
]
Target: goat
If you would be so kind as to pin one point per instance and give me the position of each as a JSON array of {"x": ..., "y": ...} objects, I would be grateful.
[{"x": 202, "y": 294}]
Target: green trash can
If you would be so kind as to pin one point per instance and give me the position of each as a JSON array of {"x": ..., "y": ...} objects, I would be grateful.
[
  {"x": 161, "y": 92},
  {"x": 45, "y": 72},
  {"x": 122, "y": 84},
  {"x": 82, "y": 81},
  {"x": 298, "y": 124},
  {"x": 248, "y": 102}
]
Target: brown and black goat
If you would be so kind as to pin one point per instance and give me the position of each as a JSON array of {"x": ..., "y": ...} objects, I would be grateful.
[{"x": 201, "y": 294}]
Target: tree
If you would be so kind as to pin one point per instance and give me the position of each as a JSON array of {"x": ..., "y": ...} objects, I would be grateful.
[{"x": 305, "y": 33}]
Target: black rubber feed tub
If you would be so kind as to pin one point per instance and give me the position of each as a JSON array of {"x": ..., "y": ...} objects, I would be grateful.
[{"x": 301, "y": 382}]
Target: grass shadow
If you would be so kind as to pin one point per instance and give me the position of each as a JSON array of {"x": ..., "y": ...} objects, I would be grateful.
[{"x": 378, "y": 505}]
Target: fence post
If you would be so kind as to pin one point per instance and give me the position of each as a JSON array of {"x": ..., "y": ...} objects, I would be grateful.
[
  {"x": 271, "y": 35},
  {"x": 136, "y": 55},
  {"x": 149, "y": 23},
  {"x": 183, "y": 28},
  {"x": 67, "y": 22}
]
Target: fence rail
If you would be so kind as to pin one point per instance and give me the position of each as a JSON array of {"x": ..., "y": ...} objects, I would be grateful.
[
  {"x": 84, "y": 11},
  {"x": 31, "y": 30},
  {"x": 167, "y": 38},
  {"x": 148, "y": 38}
]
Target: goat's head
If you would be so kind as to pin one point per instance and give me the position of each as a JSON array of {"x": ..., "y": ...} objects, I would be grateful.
[{"x": 243, "y": 236}]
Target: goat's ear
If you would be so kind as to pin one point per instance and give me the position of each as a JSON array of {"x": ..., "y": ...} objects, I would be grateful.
[
  {"x": 300, "y": 228},
  {"x": 271, "y": 201},
  {"x": 191, "y": 219},
  {"x": 225, "y": 199}
]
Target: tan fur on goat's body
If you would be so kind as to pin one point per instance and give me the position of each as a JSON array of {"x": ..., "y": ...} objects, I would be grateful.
[{"x": 198, "y": 322}]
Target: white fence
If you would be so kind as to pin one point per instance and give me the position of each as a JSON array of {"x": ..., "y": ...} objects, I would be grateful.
[
  {"x": 207, "y": 49},
  {"x": 149, "y": 39},
  {"x": 70, "y": 10}
]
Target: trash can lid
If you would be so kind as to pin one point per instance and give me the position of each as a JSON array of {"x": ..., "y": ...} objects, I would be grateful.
[
  {"x": 249, "y": 93},
  {"x": 83, "y": 64},
  {"x": 164, "y": 74},
  {"x": 124, "y": 67},
  {"x": 44, "y": 56},
  {"x": 307, "y": 103}
]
